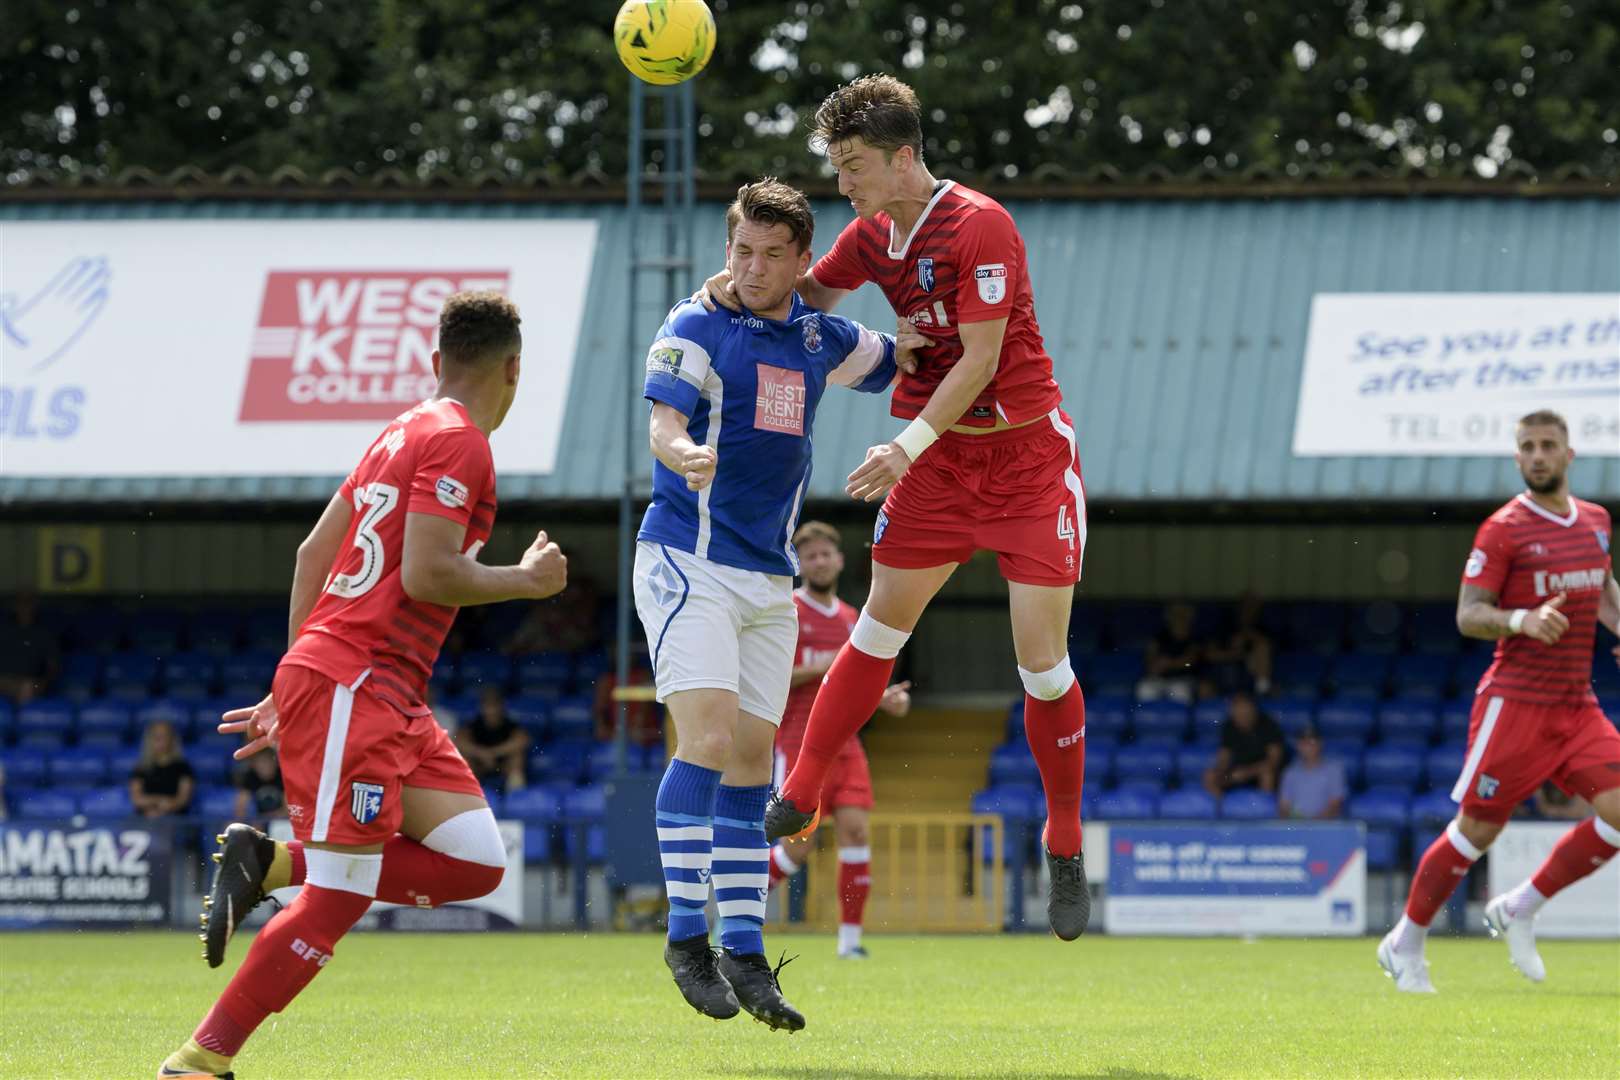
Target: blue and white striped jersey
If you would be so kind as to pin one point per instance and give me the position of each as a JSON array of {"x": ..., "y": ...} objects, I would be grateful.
[{"x": 749, "y": 388}]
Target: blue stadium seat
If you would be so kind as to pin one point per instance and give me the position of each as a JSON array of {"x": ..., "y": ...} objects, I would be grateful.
[
  {"x": 190, "y": 675},
  {"x": 571, "y": 718},
  {"x": 1421, "y": 677},
  {"x": 1126, "y": 806},
  {"x": 587, "y": 804},
  {"x": 1099, "y": 766},
  {"x": 80, "y": 676},
  {"x": 1376, "y": 628},
  {"x": 1347, "y": 752},
  {"x": 1143, "y": 763},
  {"x": 1107, "y": 715},
  {"x": 1015, "y": 721},
  {"x": 1433, "y": 807},
  {"x": 1395, "y": 769},
  {"x": 25, "y": 768},
  {"x": 264, "y": 630},
  {"x": 1292, "y": 714},
  {"x": 1085, "y": 633},
  {"x": 532, "y": 713},
  {"x": 50, "y": 741},
  {"x": 1299, "y": 674},
  {"x": 1209, "y": 713},
  {"x": 1434, "y": 630},
  {"x": 481, "y": 669},
  {"x": 257, "y": 668},
  {"x": 45, "y": 804},
  {"x": 120, "y": 763},
  {"x": 538, "y": 846},
  {"x": 604, "y": 760},
  {"x": 497, "y": 803},
  {"x": 1191, "y": 763},
  {"x": 1345, "y": 720},
  {"x": 1383, "y": 808},
  {"x": 536, "y": 803},
  {"x": 545, "y": 669},
  {"x": 45, "y": 716},
  {"x": 1151, "y": 786},
  {"x": 1360, "y": 675},
  {"x": 590, "y": 665},
  {"x": 1131, "y": 625},
  {"x": 1188, "y": 804},
  {"x": 102, "y": 634},
  {"x": 1013, "y": 763},
  {"x": 1443, "y": 764},
  {"x": 1383, "y": 848},
  {"x": 1114, "y": 673},
  {"x": 1248, "y": 805},
  {"x": 215, "y": 804},
  {"x": 109, "y": 802},
  {"x": 215, "y": 633},
  {"x": 1454, "y": 717},
  {"x": 105, "y": 718},
  {"x": 1015, "y": 802},
  {"x": 1314, "y": 626},
  {"x": 1470, "y": 669},
  {"x": 1408, "y": 720},
  {"x": 1160, "y": 718},
  {"x": 155, "y": 632},
  {"x": 102, "y": 742},
  {"x": 568, "y": 758},
  {"x": 210, "y": 768}
]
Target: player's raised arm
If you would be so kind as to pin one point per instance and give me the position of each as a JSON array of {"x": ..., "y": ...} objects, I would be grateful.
[
  {"x": 672, "y": 445},
  {"x": 315, "y": 558},
  {"x": 435, "y": 569}
]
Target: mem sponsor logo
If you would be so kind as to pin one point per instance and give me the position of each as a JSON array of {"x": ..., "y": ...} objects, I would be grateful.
[
  {"x": 1548, "y": 583},
  {"x": 349, "y": 345}
]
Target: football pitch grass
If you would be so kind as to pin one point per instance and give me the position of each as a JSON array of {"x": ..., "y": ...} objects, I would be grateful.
[{"x": 521, "y": 1005}]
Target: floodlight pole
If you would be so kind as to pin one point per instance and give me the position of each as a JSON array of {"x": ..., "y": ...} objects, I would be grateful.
[{"x": 666, "y": 245}]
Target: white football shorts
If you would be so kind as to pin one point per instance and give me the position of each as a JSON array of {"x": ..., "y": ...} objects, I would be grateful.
[{"x": 717, "y": 627}]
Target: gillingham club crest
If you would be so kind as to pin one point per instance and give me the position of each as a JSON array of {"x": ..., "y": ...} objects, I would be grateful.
[
  {"x": 365, "y": 801},
  {"x": 925, "y": 275}
]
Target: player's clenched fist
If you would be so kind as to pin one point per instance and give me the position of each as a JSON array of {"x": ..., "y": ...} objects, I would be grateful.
[
  {"x": 698, "y": 465},
  {"x": 1546, "y": 623},
  {"x": 546, "y": 566}
]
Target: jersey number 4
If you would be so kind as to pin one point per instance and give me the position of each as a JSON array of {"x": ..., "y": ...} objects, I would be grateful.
[
  {"x": 373, "y": 502},
  {"x": 1065, "y": 528}
]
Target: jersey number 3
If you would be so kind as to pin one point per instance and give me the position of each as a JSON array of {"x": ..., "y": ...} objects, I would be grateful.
[{"x": 373, "y": 502}]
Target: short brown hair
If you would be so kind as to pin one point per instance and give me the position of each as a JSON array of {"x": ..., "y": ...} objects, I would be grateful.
[
  {"x": 768, "y": 201},
  {"x": 816, "y": 530},
  {"x": 479, "y": 327},
  {"x": 880, "y": 109},
  {"x": 1545, "y": 418}
]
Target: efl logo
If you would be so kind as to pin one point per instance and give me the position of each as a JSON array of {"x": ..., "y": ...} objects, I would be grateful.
[
  {"x": 349, "y": 345},
  {"x": 779, "y": 405}
]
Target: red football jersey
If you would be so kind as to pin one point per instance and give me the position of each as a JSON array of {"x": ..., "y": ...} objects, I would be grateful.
[
  {"x": 963, "y": 262},
  {"x": 1526, "y": 554},
  {"x": 822, "y": 632},
  {"x": 430, "y": 460}
]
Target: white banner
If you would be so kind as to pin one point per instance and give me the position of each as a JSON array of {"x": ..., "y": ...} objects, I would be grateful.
[
  {"x": 253, "y": 347},
  {"x": 1431, "y": 374},
  {"x": 1590, "y": 908}
]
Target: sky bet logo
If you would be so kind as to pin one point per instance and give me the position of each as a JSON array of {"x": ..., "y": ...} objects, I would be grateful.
[{"x": 349, "y": 345}]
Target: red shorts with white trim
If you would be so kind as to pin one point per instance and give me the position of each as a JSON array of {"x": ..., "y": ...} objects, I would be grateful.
[
  {"x": 1516, "y": 746},
  {"x": 848, "y": 783},
  {"x": 345, "y": 754},
  {"x": 1016, "y": 492}
]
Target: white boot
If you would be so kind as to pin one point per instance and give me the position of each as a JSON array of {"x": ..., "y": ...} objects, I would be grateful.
[
  {"x": 1409, "y": 970},
  {"x": 1520, "y": 933}
]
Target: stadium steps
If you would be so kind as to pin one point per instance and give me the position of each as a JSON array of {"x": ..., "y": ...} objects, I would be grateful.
[{"x": 932, "y": 760}]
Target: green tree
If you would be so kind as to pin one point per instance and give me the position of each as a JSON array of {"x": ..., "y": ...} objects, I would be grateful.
[{"x": 1018, "y": 90}]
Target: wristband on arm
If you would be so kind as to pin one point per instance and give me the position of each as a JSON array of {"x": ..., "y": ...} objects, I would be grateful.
[
  {"x": 917, "y": 437},
  {"x": 1516, "y": 620}
]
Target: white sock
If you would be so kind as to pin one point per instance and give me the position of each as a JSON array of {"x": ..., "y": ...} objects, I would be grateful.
[
  {"x": 1409, "y": 936},
  {"x": 1525, "y": 901},
  {"x": 849, "y": 937},
  {"x": 784, "y": 862}
]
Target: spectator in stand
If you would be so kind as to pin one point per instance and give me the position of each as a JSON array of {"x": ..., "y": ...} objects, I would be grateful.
[
  {"x": 259, "y": 793},
  {"x": 1241, "y": 656},
  {"x": 1173, "y": 659},
  {"x": 1312, "y": 786},
  {"x": 1553, "y": 802},
  {"x": 564, "y": 623},
  {"x": 1252, "y": 749},
  {"x": 28, "y": 658},
  {"x": 644, "y": 719},
  {"x": 162, "y": 782},
  {"x": 493, "y": 745}
]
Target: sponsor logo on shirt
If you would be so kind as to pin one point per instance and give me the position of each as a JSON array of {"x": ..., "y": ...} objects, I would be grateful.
[
  {"x": 992, "y": 280},
  {"x": 753, "y": 322},
  {"x": 1548, "y": 583},
  {"x": 349, "y": 345},
  {"x": 1476, "y": 563},
  {"x": 664, "y": 360},
  {"x": 812, "y": 335},
  {"x": 925, "y": 275},
  {"x": 451, "y": 492},
  {"x": 779, "y": 404}
]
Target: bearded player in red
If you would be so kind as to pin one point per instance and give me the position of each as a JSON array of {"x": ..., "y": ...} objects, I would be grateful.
[
  {"x": 382, "y": 805},
  {"x": 825, "y": 623},
  {"x": 1004, "y": 475},
  {"x": 1539, "y": 580}
]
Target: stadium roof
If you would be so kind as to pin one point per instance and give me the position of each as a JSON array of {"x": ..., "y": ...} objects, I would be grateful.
[{"x": 1177, "y": 326}]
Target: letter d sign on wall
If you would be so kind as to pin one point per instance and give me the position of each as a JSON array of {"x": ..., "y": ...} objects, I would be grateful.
[{"x": 70, "y": 558}]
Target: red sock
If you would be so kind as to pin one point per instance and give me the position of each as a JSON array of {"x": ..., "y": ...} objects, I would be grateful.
[
  {"x": 854, "y": 884},
  {"x": 1056, "y": 731},
  {"x": 287, "y": 954},
  {"x": 414, "y": 874},
  {"x": 848, "y": 697},
  {"x": 1442, "y": 867},
  {"x": 1578, "y": 852},
  {"x": 778, "y": 872},
  {"x": 295, "y": 850}
]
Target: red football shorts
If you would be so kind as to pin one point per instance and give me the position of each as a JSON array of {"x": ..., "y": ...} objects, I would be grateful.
[
  {"x": 848, "y": 783},
  {"x": 1016, "y": 492},
  {"x": 346, "y": 753},
  {"x": 1516, "y": 746}
]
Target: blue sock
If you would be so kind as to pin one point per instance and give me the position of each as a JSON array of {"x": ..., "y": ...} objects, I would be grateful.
[
  {"x": 741, "y": 867},
  {"x": 684, "y": 814}
]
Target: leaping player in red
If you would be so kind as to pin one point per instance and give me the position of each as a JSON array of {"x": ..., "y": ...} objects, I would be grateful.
[
  {"x": 1539, "y": 580},
  {"x": 1004, "y": 475},
  {"x": 825, "y": 623},
  {"x": 382, "y": 805}
]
